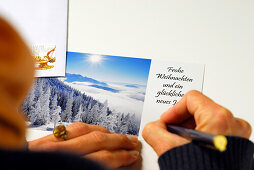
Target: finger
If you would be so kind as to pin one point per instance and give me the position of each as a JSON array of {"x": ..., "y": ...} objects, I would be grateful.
[
  {"x": 78, "y": 129},
  {"x": 114, "y": 159},
  {"x": 74, "y": 130},
  {"x": 194, "y": 104},
  {"x": 189, "y": 123},
  {"x": 157, "y": 136},
  {"x": 209, "y": 117},
  {"x": 95, "y": 141},
  {"x": 242, "y": 128}
]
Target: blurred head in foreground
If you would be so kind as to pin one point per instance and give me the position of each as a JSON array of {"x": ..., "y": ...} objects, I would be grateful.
[{"x": 16, "y": 76}]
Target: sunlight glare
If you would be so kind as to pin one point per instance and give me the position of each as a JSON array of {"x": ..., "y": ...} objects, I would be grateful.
[{"x": 95, "y": 58}]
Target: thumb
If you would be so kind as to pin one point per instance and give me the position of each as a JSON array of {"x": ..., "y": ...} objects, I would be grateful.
[{"x": 157, "y": 136}]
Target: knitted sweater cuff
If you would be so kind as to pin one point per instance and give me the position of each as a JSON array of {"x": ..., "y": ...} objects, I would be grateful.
[{"x": 239, "y": 155}]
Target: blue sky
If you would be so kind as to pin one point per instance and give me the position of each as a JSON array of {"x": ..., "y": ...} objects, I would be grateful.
[{"x": 109, "y": 68}]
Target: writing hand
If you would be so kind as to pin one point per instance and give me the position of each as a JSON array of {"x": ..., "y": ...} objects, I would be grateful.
[
  {"x": 93, "y": 142},
  {"x": 194, "y": 111}
]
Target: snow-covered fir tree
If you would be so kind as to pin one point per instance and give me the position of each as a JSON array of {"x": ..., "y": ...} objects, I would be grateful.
[
  {"x": 45, "y": 111},
  {"x": 35, "y": 113},
  {"x": 124, "y": 123},
  {"x": 55, "y": 111},
  {"x": 29, "y": 102},
  {"x": 86, "y": 118},
  {"x": 78, "y": 116},
  {"x": 94, "y": 114},
  {"x": 67, "y": 113},
  {"x": 102, "y": 114},
  {"x": 55, "y": 117},
  {"x": 51, "y": 101},
  {"x": 77, "y": 102}
]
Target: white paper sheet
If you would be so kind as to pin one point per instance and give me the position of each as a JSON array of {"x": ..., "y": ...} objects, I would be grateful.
[{"x": 41, "y": 23}]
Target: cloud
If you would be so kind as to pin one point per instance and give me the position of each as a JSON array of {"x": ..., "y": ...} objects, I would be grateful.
[
  {"x": 105, "y": 88},
  {"x": 126, "y": 100},
  {"x": 139, "y": 96}
]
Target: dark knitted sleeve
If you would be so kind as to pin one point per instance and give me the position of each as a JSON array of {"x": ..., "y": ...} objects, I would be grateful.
[
  {"x": 238, "y": 156},
  {"x": 11, "y": 159}
]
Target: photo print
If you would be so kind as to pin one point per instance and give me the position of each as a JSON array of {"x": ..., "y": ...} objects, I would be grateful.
[{"x": 97, "y": 89}]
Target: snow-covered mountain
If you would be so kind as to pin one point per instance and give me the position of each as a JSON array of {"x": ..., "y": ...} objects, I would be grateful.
[{"x": 77, "y": 77}]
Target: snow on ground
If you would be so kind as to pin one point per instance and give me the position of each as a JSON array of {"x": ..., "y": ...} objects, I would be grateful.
[
  {"x": 32, "y": 134},
  {"x": 36, "y": 132}
]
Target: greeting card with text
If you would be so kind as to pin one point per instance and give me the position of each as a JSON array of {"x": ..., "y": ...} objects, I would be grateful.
[{"x": 119, "y": 93}]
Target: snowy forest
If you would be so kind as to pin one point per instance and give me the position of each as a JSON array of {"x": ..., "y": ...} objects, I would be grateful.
[{"x": 51, "y": 102}]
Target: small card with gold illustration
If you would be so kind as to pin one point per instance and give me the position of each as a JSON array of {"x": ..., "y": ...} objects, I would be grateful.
[
  {"x": 44, "y": 56},
  {"x": 47, "y": 62},
  {"x": 44, "y": 29}
]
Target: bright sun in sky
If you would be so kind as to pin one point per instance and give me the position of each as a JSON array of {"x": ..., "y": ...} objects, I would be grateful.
[{"x": 95, "y": 59}]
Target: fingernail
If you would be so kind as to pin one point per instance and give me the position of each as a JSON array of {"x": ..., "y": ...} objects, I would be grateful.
[
  {"x": 134, "y": 154},
  {"x": 133, "y": 138}
]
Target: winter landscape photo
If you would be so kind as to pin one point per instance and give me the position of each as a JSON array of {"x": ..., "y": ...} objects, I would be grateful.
[{"x": 97, "y": 89}]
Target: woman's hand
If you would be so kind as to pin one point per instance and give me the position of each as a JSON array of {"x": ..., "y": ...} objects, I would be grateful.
[
  {"x": 194, "y": 111},
  {"x": 93, "y": 142}
]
